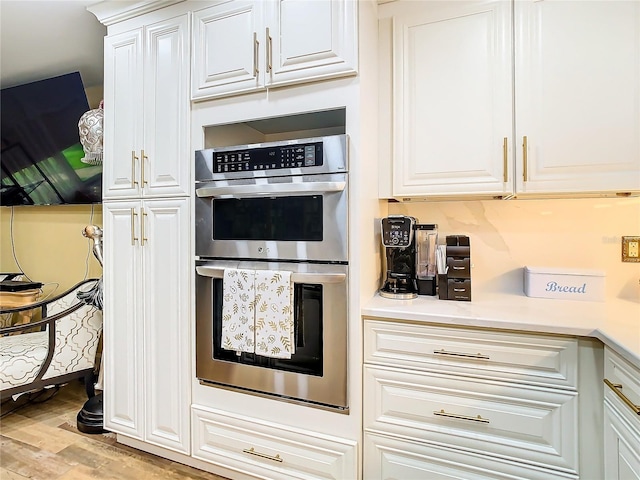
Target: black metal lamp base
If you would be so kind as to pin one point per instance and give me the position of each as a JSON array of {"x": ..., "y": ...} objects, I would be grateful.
[{"x": 90, "y": 418}]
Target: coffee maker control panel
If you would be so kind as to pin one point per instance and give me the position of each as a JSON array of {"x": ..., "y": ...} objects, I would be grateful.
[{"x": 397, "y": 231}]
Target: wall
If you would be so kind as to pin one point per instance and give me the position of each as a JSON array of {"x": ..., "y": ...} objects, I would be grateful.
[
  {"x": 47, "y": 240},
  {"x": 506, "y": 235},
  {"x": 48, "y": 244}
]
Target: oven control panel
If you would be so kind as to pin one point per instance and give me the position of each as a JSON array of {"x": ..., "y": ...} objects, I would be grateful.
[{"x": 268, "y": 158}]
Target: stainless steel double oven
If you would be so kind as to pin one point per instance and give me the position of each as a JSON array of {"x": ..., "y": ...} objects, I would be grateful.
[{"x": 276, "y": 206}]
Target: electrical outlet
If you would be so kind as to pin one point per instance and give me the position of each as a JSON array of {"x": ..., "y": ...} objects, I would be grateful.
[{"x": 631, "y": 249}]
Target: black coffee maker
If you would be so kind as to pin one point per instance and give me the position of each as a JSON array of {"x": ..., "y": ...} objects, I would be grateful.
[{"x": 398, "y": 241}]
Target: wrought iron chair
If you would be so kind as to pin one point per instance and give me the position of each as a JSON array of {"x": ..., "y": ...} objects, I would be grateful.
[{"x": 57, "y": 346}]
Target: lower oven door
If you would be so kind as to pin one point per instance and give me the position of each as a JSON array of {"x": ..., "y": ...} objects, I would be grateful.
[{"x": 316, "y": 373}]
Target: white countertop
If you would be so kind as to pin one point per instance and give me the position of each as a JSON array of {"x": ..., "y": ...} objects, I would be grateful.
[{"x": 615, "y": 322}]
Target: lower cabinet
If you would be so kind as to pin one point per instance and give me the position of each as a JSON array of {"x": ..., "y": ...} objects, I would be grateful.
[
  {"x": 146, "y": 321},
  {"x": 447, "y": 402},
  {"x": 396, "y": 458},
  {"x": 621, "y": 419},
  {"x": 262, "y": 449}
]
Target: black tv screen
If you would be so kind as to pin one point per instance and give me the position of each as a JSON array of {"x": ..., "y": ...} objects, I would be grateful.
[{"x": 41, "y": 162}]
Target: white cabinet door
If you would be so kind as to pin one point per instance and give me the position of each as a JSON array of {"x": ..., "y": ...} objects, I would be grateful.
[
  {"x": 147, "y": 111},
  {"x": 122, "y": 114},
  {"x": 621, "y": 441},
  {"x": 165, "y": 245},
  {"x": 147, "y": 320},
  {"x": 243, "y": 46},
  {"x": 311, "y": 40},
  {"x": 227, "y": 39},
  {"x": 123, "y": 327},
  {"x": 577, "y": 96},
  {"x": 452, "y": 98},
  {"x": 166, "y": 159}
]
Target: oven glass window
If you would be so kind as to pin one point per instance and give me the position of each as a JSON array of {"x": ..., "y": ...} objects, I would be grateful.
[
  {"x": 295, "y": 218},
  {"x": 307, "y": 358}
]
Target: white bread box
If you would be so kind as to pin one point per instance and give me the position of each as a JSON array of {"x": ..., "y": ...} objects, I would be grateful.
[{"x": 567, "y": 284}]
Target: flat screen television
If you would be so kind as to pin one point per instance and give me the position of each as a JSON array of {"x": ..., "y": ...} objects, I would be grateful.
[{"x": 41, "y": 160}]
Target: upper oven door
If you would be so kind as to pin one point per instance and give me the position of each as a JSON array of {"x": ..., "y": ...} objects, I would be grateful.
[{"x": 285, "y": 218}]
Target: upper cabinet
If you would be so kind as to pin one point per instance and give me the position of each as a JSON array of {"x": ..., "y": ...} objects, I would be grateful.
[
  {"x": 577, "y": 77},
  {"x": 495, "y": 98},
  {"x": 242, "y": 46},
  {"x": 146, "y": 124},
  {"x": 451, "y": 95}
]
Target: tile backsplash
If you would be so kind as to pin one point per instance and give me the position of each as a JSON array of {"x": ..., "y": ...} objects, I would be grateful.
[{"x": 507, "y": 235}]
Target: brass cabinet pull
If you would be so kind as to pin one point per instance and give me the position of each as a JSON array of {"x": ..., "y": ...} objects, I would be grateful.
[
  {"x": 256, "y": 50},
  {"x": 459, "y": 354},
  {"x": 143, "y": 158},
  {"x": 143, "y": 217},
  {"x": 505, "y": 154},
  {"x": 617, "y": 389},
  {"x": 269, "y": 52},
  {"x": 479, "y": 419},
  {"x": 133, "y": 226},
  {"x": 525, "y": 150},
  {"x": 133, "y": 169},
  {"x": 252, "y": 451}
]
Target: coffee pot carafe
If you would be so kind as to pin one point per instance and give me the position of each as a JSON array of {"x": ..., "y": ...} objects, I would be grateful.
[{"x": 398, "y": 241}]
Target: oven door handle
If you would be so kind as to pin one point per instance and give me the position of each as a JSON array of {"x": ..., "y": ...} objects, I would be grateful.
[
  {"x": 270, "y": 189},
  {"x": 296, "y": 277}
]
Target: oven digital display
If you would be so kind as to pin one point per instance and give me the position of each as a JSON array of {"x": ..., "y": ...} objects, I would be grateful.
[
  {"x": 295, "y": 219},
  {"x": 269, "y": 158}
]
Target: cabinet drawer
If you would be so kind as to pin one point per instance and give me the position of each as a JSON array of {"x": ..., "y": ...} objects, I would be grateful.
[
  {"x": 389, "y": 458},
  {"x": 623, "y": 381},
  {"x": 269, "y": 450},
  {"x": 523, "y": 358},
  {"x": 534, "y": 425}
]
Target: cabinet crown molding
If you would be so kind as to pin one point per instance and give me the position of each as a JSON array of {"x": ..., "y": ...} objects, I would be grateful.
[{"x": 110, "y": 12}]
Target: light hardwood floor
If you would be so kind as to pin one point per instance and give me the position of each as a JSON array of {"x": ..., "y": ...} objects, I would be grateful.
[{"x": 41, "y": 441}]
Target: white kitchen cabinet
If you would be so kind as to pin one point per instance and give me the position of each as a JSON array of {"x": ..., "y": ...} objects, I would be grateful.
[
  {"x": 243, "y": 46},
  {"x": 391, "y": 458},
  {"x": 621, "y": 418},
  {"x": 447, "y": 402},
  {"x": 146, "y": 337},
  {"x": 577, "y": 104},
  {"x": 452, "y": 95},
  {"x": 147, "y": 110},
  {"x": 262, "y": 449},
  {"x": 146, "y": 214},
  {"x": 466, "y": 120}
]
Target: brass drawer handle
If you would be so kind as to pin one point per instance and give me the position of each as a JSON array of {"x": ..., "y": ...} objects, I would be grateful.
[
  {"x": 134, "y": 239},
  {"x": 458, "y": 354},
  {"x": 617, "y": 389},
  {"x": 269, "y": 52},
  {"x": 256, "y": 49},
  {"x": 143, "y": 157},
  {"x": 143, "y": 217},
  {"x": 505, "y": 156},
  {"x": 525, "y": 158},
  {"x": 252, "y": 451},
  {"x": 479, "y": 419},
  {"x": 134, "y": 182}
]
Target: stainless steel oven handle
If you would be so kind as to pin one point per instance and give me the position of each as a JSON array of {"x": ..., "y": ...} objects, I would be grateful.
[
  {"x": 271, "y": 189},
  {"x": 296, "y": 277}
]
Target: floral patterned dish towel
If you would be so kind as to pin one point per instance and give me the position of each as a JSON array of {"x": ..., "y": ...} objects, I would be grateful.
[
  {"x": 274, "y": 314},
  {"x": 238, "y": 310}
]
